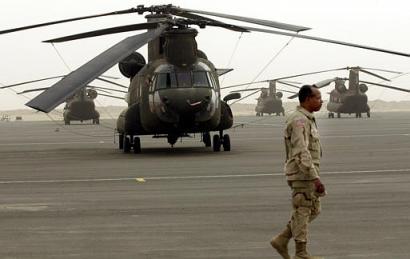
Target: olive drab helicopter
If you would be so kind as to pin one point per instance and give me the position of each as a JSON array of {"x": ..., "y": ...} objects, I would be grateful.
[
  {"x": 176, "y": 92},
  {"x": 270, "y": 99},
  {"x": 80, "y": 106},
  {"x": 352, "y": 100}
]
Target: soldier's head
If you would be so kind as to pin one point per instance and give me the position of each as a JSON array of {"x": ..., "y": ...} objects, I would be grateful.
[{"x": 310, "y": 98}]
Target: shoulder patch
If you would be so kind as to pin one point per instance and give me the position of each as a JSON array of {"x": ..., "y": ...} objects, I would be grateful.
[{"x": 300, "y": 122}]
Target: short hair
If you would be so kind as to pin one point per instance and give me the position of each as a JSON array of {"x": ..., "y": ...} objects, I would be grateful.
[{"x": 305, "y": 92}]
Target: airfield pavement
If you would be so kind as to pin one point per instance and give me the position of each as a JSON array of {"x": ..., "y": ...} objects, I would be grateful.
[{"x": 68, "y": 192}]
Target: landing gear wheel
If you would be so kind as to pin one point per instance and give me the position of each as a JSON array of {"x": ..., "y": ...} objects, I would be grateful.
[
  {"x": 206, "y": 138},
  {"x": 338, "y": 114},
  {"x": 368, "y": 114},
  {"x": 172, "y": 139},
  {"x": 257, "y": 114},
  {"x": 121, "y": 141},
  {"x": 137, "y": 145},
  {"x": 96, "y": 121},
  {"x": 217, "y": 143},
  {"x": 67, "y": 122},
  {"x": 127, "y": 144},
  {"x": 226, "y": 142}
]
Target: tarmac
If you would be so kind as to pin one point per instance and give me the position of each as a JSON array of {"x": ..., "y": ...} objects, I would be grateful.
[{"x": 68, "y": 192}]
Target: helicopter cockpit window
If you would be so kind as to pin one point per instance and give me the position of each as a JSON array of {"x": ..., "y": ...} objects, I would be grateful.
[
  {"x": 184, "y": 79},
  {"x": 165, "y": 81},
  {"x": 200, "y": 79}
]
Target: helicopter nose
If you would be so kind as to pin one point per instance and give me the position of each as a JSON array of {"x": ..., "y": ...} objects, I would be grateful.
[{"x": 187, "y": 100}]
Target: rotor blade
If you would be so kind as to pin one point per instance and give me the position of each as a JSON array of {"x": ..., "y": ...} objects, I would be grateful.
[
  {"x": 382, "y": 70},
  {"x": 288, "y": 84},
  {"x": 286, "y": 91},
  {"x": 112, "y": 30},
  {"x": 223, "y": 71},
  {"x": 54, "y": 77},
  {"x": 327, "y": 40},
  {"x": 245, "y": 97},
  {"x": 373, "y": 74},
  {"x": 33, "y": 90},
  {"x": 32, "y": 81},
  {"x": 111, "y": 82},
  {"x": 112, "y": 96},
  {"x": 286, "y": 77},
  {"x": 79, "y": 78},
  {"x": 105, "y": 88},
  {"x": 386, "y": 86},
  {"x": 278, "y": 25},
  {"x": 207, "y": 21},
  {"x": 249, "y": 89},
  {"x": 232, "y": 86},
  {"x": 132, "y": 10},
  {"x": 312, "y": 73},
  {"x": 110, "y": 77},
  {"x": 293, "y": 96},
  {"x": 324, "y": 82}
]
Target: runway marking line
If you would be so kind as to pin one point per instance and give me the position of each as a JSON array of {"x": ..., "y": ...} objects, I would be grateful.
[{"x": 142, "y": 180}]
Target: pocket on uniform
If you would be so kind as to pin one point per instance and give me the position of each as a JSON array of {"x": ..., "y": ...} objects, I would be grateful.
[
  {"x": 314, "y": 143},
  {"x": 299, "y": 200}
]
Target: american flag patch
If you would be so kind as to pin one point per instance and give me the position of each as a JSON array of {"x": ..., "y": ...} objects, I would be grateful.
[{"x": 300, "y": 123}]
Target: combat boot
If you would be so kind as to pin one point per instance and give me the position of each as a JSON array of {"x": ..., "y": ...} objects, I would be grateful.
[
  {"x": 301, "y": 252},
  {"x": 280, "y": 242}
]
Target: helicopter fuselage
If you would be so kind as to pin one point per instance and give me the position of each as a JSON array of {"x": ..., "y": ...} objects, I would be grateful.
[
  {"x": 81, "y": 107},
  {"x": 348, "y": 102},
  {"x": 164, "y": 99}
]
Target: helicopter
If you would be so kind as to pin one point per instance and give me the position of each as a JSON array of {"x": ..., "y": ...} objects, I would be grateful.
[
  {"x": 269, "y": 100},
  {"x": 80, "y": 106},
  {"x": 352, "y": 99},
  {"x": 177, "y": 91}
]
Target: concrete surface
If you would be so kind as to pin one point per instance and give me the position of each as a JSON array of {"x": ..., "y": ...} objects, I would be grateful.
[{"x": 68, "y": 192}]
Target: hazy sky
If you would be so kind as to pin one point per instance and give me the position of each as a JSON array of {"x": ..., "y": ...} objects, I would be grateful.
[{"x": 378, "y": 23}]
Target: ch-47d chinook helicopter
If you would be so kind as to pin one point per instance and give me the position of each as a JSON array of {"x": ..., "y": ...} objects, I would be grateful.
[
  {"x": 353, "y": 100},
  {"x": 270, "y": 99},
  {"x": 177, "y": 91},
  {"x": 80, "y": 106}
]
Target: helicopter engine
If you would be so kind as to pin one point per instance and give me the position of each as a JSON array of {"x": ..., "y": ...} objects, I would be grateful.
[
  {"x": 279, "y": 95},
  {"x": 132, "y": 64},
  {"x": 363, "y": 88},
  {"x": 92, "y": 94},
  {"x": 183, "y": 40}
]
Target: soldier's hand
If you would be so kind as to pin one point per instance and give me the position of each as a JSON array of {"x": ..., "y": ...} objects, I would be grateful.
[{"x": 320, "y": 188}]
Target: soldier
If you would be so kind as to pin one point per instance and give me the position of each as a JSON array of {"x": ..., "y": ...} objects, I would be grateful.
[{"x": 303, "y": 152}]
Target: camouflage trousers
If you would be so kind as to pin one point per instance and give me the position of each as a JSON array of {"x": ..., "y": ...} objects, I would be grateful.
[{"x": 306, "y": 207}]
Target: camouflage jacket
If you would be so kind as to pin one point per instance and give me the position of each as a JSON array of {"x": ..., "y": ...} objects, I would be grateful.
[{"x": 303, "y": 149}]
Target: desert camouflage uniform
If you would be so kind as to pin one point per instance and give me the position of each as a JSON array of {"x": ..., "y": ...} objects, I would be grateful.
[{"x": 303, "y": 152}]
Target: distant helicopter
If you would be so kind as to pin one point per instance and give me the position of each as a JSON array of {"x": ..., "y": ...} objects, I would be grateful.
[
  {"x": 269, "y": 100},
  {"x": 353, "y": 99},
  {"x": 80, "y": 106},
  {"x": 177, "y": 91}
]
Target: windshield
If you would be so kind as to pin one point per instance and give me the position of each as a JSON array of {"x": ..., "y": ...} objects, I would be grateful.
[{"x": 183, "y": 80}]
